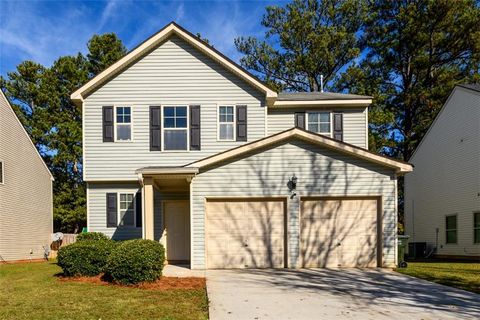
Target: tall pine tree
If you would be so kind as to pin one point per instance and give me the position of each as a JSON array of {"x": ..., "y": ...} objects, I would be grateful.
[
  {"x": 41, "y": 99},
  {"x": 304, "y": 40},
  {"x": 415, "y": 53}
]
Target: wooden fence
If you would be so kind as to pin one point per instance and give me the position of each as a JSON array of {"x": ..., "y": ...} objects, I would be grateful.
[{"x": 68, "y": 238}]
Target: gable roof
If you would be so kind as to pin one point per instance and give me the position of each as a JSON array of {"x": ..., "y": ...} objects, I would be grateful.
[
  {"x": 471, "y": 86},
  {"x": 399, "y": 166},
  {"x": 9, "y": 106},
  {"x": 467, "y": 87},
  {"x": 152, "y": 43}
]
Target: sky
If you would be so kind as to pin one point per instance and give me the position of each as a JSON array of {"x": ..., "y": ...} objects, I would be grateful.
[{"x": 42, "y": 31}]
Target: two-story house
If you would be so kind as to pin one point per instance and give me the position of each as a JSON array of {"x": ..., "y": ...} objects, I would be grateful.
[
  {"x": 183, "y": 146},
  {"x": 442, "y": 196}
]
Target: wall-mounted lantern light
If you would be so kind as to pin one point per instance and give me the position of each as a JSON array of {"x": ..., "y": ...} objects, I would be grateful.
[{"x": 292, "y": 185}]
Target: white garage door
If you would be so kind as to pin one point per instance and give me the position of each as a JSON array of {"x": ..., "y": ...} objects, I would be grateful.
[
  {"x": 338, "y": 233},
  {"x": 245, "y": 233}
]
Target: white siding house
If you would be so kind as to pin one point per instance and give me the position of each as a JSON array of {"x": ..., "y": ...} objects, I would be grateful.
[
  {"x": 446, "y": 182},
  {"x": 183, "y": 146},
  {"x": 26, "y": 213}
]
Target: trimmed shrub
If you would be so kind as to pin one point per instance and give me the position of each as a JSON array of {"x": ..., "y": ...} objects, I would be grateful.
[
  {"x": 135, "y": 261},
  {"x": 91, "y": 236},
  {"x": 85, "y": 258}
]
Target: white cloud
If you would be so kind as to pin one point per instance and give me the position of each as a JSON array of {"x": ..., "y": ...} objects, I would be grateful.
[
  {"x": 227, "y": 22},
  {"x": 107, "y": 13},
  {"x": 180, "y": 13}
]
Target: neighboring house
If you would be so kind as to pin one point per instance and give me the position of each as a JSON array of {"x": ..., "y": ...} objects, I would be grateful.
[
  {"x": 26, "y": 216},
  {"x": 442, "y": 196},
  {"x": 183, "y": 146}
]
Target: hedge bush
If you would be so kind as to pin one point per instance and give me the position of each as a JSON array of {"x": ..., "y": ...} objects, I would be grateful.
[
  {"x": 91, "y": 236},
  {"x": 85, "y": 258},
  {"x": 135, "y": 261}
]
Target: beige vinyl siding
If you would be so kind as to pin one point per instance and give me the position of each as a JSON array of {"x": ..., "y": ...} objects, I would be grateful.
[
  {"x": 320, "y": 172},
  {"x": 354, "y": 122},
  {"x": 173, "y": 74},
  {"x": 97, "y": 214},
  {"x": 446, "y": 179},
  {"x": 26, "y": 195}
]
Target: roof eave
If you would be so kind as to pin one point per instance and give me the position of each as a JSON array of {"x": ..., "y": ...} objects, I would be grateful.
[
  {"x": 325, "y": 103},
  {"x": 167, "y": 171}
]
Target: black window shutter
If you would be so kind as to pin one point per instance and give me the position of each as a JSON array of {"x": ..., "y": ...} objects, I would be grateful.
[
  {"x": 241, "y": 123},
  {"x": 138, "y": 209},
  {"x": 300, "y": 120},
  {"x": 107, "y": 119},
  {"x": 111, "y": 210},
  {"x": 195, "y": 127},
  {"x": 155, "y": 129},
  {"x": 338, "y": 126}
]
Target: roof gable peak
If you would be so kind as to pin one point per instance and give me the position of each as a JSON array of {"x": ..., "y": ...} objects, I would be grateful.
[{"x": 153, "y": 42}]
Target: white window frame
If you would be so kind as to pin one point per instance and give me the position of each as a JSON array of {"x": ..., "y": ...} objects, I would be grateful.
[
  {"x": 2, "y": 175},
  {"x": 119, "y": 211},
  {"x": 115, "y": 123},
  {"x": 163, "y": 127},
  {"x": 234, "y": 122},
  {"x": 330, "y": 115}
]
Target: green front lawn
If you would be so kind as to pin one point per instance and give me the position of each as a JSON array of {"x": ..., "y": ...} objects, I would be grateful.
[
  {"x": 464, "y": 276},
  {"x": 32, "y": 291}
]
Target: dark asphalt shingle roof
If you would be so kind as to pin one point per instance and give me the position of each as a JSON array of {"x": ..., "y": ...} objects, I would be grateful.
[
  {"x": 472, "y": 86},
  {"x": 306, "y": 96}
]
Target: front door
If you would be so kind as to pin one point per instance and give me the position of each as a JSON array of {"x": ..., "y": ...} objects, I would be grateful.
[{"x": 177, "y": 228}]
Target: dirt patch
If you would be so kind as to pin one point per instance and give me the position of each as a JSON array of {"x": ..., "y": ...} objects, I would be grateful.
[
  {"x": 164, "y": 283},
  {"x": 22, "y": 261}
]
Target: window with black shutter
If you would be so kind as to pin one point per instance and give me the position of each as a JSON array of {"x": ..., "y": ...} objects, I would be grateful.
[
  {"x": 241, "y": 123},
  {"x": 338, "y": 126},
  {"x": 155, "y": 129},
  {"x": 138, "y": 209},
  {"x": 111, "y": 210},
  {"x": 300, "y": 120},
  {"x": 195, "y": 127},
  {"x": 108, "y": 123}
]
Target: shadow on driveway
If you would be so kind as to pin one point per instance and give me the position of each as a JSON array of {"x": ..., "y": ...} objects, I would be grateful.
[{"x": 333, "y": 293}]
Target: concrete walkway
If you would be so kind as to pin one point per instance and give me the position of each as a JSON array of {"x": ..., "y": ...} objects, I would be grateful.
[
  {"x": 333, "y": 294},
  {"x": 181, "y": 271}
]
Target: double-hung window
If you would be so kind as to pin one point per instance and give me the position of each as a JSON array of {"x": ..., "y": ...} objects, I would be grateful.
[
  {"x": 226, "y": 123},
  {"x": 175, "y": 128},
  {"x": 127, "y": 210},
  {"x": 451, "y": 229},
  {"x": 124, "y": 123},
  {"x": 476, "y": 227},
  {"x": 319, "y": 122}
]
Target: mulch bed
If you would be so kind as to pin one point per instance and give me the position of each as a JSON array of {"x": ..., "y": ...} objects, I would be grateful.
[{"x": 164, "y": 283}]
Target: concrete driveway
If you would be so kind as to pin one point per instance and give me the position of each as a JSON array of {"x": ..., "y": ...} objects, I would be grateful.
[{"x": 333, "y": 294}]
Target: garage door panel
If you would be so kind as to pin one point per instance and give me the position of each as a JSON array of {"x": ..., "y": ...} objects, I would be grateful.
[
  {"x": 252, "y": 234},
  {"x": 322, "y": 259},
  {"x": 338, "y": 232}
]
